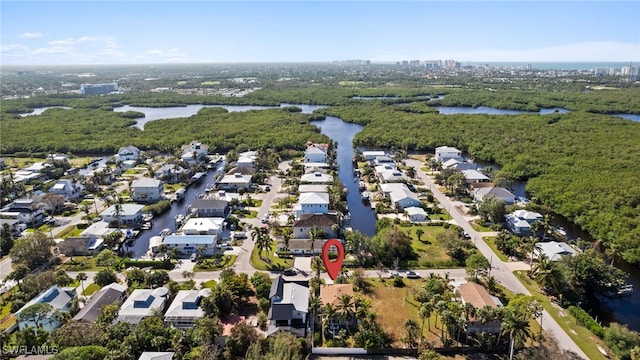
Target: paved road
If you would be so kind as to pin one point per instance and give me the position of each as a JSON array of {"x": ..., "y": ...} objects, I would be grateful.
[{"x": 500, "y": 270}]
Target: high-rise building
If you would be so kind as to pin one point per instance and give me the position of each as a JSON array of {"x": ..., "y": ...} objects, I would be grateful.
[{"x": 98, "y": 89}]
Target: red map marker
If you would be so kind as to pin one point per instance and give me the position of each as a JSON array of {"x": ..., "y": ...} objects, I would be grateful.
[{"x": 333, "y": 267}]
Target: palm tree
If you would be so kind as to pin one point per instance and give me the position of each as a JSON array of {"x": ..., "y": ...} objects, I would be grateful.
[
  {"x": 317, "y": 266},
  {"x": 287, "y": 234},
  {"x": 363, "y": 307},
  {"x": 314, "y": 305},
  {"x": 516, "y": 327},
  {"x": 82, "y": 276},
  {"x": 425, "y": 313},
  {"x": 411, "y": 336},
  {"x": 328, "y": 313},
  {"x": 346, "y": 307},
  {"x": 543, "y": 271},
  {"x": 314, "y": 234}
]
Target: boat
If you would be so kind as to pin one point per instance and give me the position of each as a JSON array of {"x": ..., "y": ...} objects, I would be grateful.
[
  {"x": 197, "y": 177},
  {"x": 165, "y": 232},
  {"x": 560, "y": 231},
  {"x": 602, "y": 351},
  {"x": 179, "y": 219},
  {"x": 179, "y": 194},
  {"x": 146, "y": 217},
  {"x": 365, "y": 195}
]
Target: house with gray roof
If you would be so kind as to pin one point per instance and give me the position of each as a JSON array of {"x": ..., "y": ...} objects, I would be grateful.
[
  {"x": 83, "y": 245},
  {"x": 67, "y": 188},
  {"x": 497, "y": 192},
  {"x": 235, "y": 181},
  {"x": 147, "y": 190},
  {"x": 316, "y": 178},
  {"x": 185, "y": 311},
  {"x": 130, "y": 214},
  {"x": 126, "y": 153},
  {"x": 109, "y": 294},
  {"x": 520, "y": 221},
  {"x": 60, "y": 300},
  {"x": 554, "y": 250},
  {"x": 400, "y": 195},
  {"x": 141, "y": 304},
  {"x": 209, "y": 208},
  {"x": 312, "y": 203},
  {"x": 289, "y": 307}
]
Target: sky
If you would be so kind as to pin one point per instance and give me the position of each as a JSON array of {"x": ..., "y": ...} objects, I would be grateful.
[{"x": 142, "y": 32}]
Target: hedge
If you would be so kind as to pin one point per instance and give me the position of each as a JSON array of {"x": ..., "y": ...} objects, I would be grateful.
[
  {"x": 582, "y": 317},
  {"x": 154, "y": 264}
]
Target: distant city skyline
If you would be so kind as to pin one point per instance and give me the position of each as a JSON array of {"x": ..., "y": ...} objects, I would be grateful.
[{"x": 144, "y": 32}]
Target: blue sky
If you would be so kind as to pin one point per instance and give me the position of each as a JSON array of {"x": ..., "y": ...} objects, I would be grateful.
[{"x": 130, "y": 32}]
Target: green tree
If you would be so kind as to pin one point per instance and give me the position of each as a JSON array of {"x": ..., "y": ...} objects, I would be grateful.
[
  {"x": 477, "y": 265},
  {"x": 33, "y": 250},
  {"x": 105, "y": 277},
  {"x": 285, "y": 346},
  {"x": 81, "y": 277},
  {"x": 6, "y": 239},
  {"x": 238, "y": 342}
]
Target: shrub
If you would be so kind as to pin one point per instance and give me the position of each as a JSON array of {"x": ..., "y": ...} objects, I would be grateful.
[
  {"x": 583, "y": 318},
  {"x": 398, "y": 282},
  {"x": 155, "y": 264}
]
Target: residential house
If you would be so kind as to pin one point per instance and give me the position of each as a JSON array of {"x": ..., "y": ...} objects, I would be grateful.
[
  {"x": 289, "y": 307},
  {"x": 316, "y": 153},
  {"x": 371, "y": 155},
  {"x": 109, "y": 294},
  {"x": 28, "y": 211},
  {"x": 60, "y": 300},
  {"x": 479, "y": 297},
  {"x": 69, "y": 189},
  {"x": 496, "y": 192},
  {"x": 38, "y": 167},
  {"x": 383, "y": 160},
  {"x": 554, "y": 250},
  {"x": 475, "y": 176},
  {"x": 130, "y": 214},
  {"x": 235, "y": 181},
  {"x": 191, "y": 244},
  {"x": 98, "y": 229},
  {"x": 15, "y": 226},
  {"x": 80, "y": 245},
  {"x": 185, "y": 311},
  {"x": 316, "y": 178},
  {"x": 306, "y": 222},
  {"x": 444, "y": 153},
  {"x": 520, "y": 221},
  {"x": 303, "y": 247},
  {"x": 141, "y": 304},
  {"x": 331, "y": 294},
  {"x": 203, "y": 226},
  {"x": 172, "y": 173},
  {"x": 416, "y": 214},
  {"x": 306, "y": 188},
  {"x": 459, "y": 164},
  {"x": 147, "y": 190},
  {"x": 247, "y": 159},
  {"x": 388, "y": 173},
  {"x": 312, "y": 203},
  {"x": 195, "y": 152},
  {"x": 157, "y": 355},
  {"x": 400, "y": 195},
  {"x": 127, "y": 153},
  {"x": 209, "y": 208}
]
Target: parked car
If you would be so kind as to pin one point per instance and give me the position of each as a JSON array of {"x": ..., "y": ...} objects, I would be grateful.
[
  {"x": 193, "y": 257},
  {"x": 265, "y": 219},
  {"x": 289, "y": 272},
  {"x": 412, "y": 275},
  {"x": 394, "y": 274}
]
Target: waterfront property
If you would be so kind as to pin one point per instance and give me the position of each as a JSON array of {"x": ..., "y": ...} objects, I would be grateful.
[
  {"x": 316, "y": 153},
  {"x": 444, "y": 153},
  {"x": 312, "y": 203},
  {"x": 503, "y": 194},
  {"x": 554, "y": 250},
  {"x": 129, "y": 214},
  {"x": 209, "y": 208},
  {"x": 324, "y": 222},
  {"x": 235, "y": 181},
  {"x": 127, "y": 153},
  {"x": 147, "y": 190},
  {"x": 191, "y": 244},
  {"x": 67, "y": 188},
  {"x": 520, "y": 221},
  {"x": 400, "y": 195},
  {"x": 203, "y": 226},
  {"x": 316, "y": 177}
]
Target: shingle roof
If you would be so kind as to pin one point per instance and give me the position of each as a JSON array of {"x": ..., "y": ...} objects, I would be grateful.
[
  {"x": 104, "y": 296},
  {"x": 331, "y": 293},
  {"x": 316, "y": 220},
  {"x": 476, "y": 295}
]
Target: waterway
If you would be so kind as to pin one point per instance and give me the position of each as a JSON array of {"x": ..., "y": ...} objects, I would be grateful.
[
  {"x": 450, "y": 110},
  {"x": 362, "y": 216}
]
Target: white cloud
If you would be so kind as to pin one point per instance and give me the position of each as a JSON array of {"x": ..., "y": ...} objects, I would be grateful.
[
  {"x": 81, "y": 50},
  {"x": 30, "y": 35}
]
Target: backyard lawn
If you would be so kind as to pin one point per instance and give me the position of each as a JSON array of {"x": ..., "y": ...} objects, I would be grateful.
[{"x": 268, "y": 261}]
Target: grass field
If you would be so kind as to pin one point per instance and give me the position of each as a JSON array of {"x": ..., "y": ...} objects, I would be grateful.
[
  {"x": 431, "y": 254},
  {"x": 394, "y": 306},
  {"x": 490, "y": 240},
  {"x": 208, "y": 265},
  {"x": 268, "y": 261},
  {"x": 93, "y": 287},
  {"x": 479, "y": 227}
]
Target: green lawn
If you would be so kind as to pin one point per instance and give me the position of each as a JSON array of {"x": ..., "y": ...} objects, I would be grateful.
[
  {"x": 93, "y": 287},
  {"x": 585, "y": 340},
  {"x": 209, "y": 264},
  {"x": 431, "y": 254},
  {"x": 210, "y": 284},
  {"x": 69, "y": 231},
  {"x": 80, "y": 263},
  {"x": 490, "y": 240},
  {"x": 268, "y": 261},
  {"x": 479, "y": 227}
]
